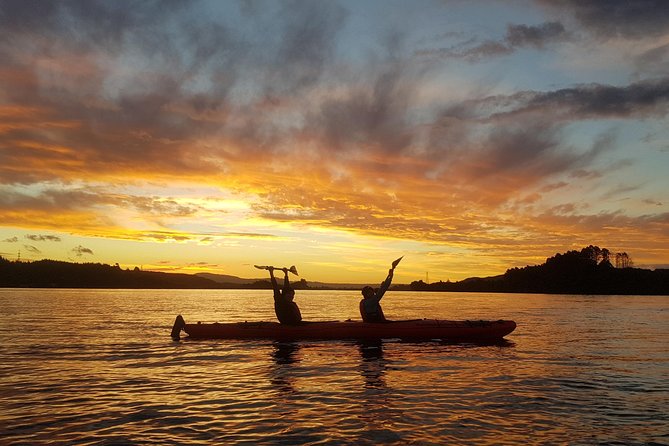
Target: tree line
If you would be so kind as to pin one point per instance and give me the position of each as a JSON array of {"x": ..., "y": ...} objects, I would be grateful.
[{"x": 588, "y": 271}]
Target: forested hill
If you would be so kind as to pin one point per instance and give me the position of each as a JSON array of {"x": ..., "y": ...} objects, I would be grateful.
[
  {"x": 53, "y": 274},
  {"x": 589, "y": 271}
]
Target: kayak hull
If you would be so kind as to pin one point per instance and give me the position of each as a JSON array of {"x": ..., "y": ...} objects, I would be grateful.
[{"x": 420, "y": 329}]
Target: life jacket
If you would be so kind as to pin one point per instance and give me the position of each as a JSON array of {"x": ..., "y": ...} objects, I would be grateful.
[
  {"x": 376, "y": 316},
  {"x": 287, "y": 312}
]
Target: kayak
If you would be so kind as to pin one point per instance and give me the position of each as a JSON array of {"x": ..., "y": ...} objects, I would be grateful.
[{"x": 418, "y": 329}]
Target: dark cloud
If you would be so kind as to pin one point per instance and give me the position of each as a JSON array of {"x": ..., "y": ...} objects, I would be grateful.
[
  {"x": 50, "y": 200},
  {"x": 375, "y": 117},
  {"x": 638, "y": 99},
  {"x": 307, "y": 44},
  {"x": 517, "y": 37},
  {"x": 529, "y": 150},
  {"x": 31, "y": 249},
  {"x": 154, "y": 205},
  {"x": 79, "y": 251},
  {"x": 592, "y": 101},
  {"x": 11, "y": 240},
  {"x": 43, "y": 238},
  {"x": 617, "y": 18},
  {"x": 652, "y": 202},
  {"x": 484, "y": 50},
  {"x": 86, "y": 23},
  {"x": 247, "y": 235}
]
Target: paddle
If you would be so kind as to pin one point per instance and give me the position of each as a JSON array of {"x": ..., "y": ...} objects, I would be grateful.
[
  {"x": 396, "y": 262},
  {"x": 292, "y": 269}
]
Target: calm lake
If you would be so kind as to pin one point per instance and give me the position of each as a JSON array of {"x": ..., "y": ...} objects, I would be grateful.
[{"x": 99, "y": 367}]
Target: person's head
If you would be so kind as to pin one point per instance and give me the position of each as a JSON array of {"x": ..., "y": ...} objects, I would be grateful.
[
  {"x": 289, "y": 293},
  {"x": 367, "y": 292}
]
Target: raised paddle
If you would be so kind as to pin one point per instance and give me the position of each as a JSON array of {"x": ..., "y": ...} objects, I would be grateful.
[
  {"x": 292, "y": 269},
  {"x": 396, "y": 262}
]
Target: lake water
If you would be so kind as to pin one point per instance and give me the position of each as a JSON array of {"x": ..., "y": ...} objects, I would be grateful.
[{"x": 99, "y": 367}]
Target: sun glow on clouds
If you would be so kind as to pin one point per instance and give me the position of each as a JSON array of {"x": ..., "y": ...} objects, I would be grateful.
[{"x": 266, "y": 130}]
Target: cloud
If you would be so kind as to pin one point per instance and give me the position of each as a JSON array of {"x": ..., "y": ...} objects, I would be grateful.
[
  {"x": 653, "y": 62},
  {"x": 648, "y": 98},
  {"x": 516, "y": 37},
  {"x": 31, "y": 249},
  {"x": 135, "y": 81},
  {"x": 520, "y": 36},
  {"x": 43, "y": 238},
  {"x": 79, "y": 251},
  {"x": 160, "y": 206},
  {"x": 306, "y": 46},
  {"x": 248, "y": 235},
  {"x": 11, "y": 240},
  {"x": 372, "y": 115},
  {"x": 616, "y": 18},
  {"x": 63, "y": 201},
  {"x": 653, "y": 202}
]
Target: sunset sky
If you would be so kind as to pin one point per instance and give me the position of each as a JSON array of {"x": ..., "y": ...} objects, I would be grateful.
[{"x": 468, "y": 136}]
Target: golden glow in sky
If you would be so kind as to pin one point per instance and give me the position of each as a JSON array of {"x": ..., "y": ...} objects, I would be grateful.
[{"x": 470, "y": 137}]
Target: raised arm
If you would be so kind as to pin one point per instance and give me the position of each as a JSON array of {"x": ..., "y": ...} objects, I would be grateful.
[
  {"x": 275, "y": 285},
  {"x": 384, "y": 285}
]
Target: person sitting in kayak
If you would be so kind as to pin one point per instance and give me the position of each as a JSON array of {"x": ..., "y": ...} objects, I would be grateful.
[
  {"x": 370, "y": 305},
  {"x": 286, "y": 310}
]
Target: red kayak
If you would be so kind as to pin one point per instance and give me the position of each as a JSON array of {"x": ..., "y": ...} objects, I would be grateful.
[{"x": 419, "y": 329}]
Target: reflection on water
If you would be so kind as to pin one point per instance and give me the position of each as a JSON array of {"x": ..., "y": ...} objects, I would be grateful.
[
  {"x": 99, "y": 367},
  {"x": 372, "y": 364},
  {"x": 285, "y": 352},
  {"x": 379, "y": 412},
  {"x": 282, "y": 371}
]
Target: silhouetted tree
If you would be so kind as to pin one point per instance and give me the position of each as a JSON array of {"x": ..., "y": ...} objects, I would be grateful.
[{"x": 623, "y": 260}]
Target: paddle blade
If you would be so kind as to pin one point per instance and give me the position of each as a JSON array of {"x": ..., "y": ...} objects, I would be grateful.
[
  {"x": 396, "y": 262},
  {"x": 261, "y": 267},
  {"x": 293, "y": 270}
]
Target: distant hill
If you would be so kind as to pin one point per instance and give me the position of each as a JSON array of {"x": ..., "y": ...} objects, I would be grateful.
[
  {"x": 224, "y": 278},
  {"x": 56, "y": 274}
]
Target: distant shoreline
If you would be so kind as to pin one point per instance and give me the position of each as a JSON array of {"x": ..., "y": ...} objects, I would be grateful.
[{"x": 574, "y": 272}]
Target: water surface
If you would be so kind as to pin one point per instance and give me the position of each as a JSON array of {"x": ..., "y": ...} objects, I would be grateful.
[{"x": 99, "y": 367}]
